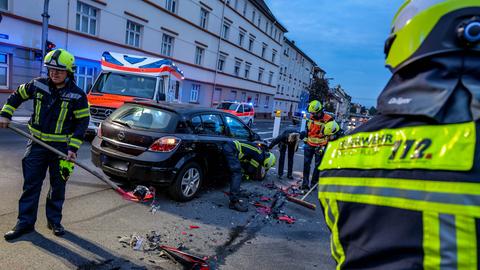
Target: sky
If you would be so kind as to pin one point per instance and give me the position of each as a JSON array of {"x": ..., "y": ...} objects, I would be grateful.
[{"x": 345, "y": 38}]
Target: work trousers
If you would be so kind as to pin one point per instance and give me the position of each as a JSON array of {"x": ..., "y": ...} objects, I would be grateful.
[
  {"x": 35, "y": 163},
  {"x": 291, "y": 153},
  {"x": 309, "y": 153},
  {"x": 231, "y": 155}
]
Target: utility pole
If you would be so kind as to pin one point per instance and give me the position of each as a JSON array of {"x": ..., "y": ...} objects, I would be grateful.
[{"x": 45, "y": 17}]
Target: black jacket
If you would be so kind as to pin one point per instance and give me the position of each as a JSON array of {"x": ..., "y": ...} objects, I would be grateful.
[
  {"x": 60, "y": 115},
  {"x": 283, "y": 138}
]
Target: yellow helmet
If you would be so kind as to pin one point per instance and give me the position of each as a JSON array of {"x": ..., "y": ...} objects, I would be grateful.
[
  {"x": 60, "y": 59},
  {"x": 315, "y": 106},
  {"x": 423, "y": 28},
  {"x": 331, "y": 128},
  {"x": 269, "y": 162}
]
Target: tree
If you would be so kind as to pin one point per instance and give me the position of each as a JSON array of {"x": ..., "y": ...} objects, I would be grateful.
[
  {"x": 372, "y": 110},
  {"x": 319, "y": 89}
]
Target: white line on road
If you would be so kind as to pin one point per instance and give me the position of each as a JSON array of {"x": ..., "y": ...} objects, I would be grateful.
[
  {"x": 21, "y": 118},
  {"x": 264, "y": 132}
]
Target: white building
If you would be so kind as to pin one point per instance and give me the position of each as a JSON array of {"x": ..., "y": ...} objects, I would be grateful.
[
  {"x": 296, "y": 71},
  {"x": 228, "y": 50}
]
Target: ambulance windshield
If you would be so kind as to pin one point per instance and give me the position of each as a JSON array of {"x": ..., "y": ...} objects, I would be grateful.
[{"x": 126, "y": 85}]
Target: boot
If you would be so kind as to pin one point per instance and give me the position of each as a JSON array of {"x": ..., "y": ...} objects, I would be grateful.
[
  {"x": 18, "y": 231},
  {"x": 238, "y": 205},
  {"x": 57, "y": 229}
]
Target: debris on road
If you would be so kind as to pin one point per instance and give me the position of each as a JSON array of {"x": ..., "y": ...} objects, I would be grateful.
[
  {"x": 287, "y": 219},
  {"x": 194, "y": 227}
]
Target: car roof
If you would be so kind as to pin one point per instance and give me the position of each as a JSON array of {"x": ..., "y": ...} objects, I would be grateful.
[
  {"x": 182, "y": 109},
  {"x": 236, "y": 102}
]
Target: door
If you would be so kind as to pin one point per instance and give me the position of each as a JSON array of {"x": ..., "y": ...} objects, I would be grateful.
[
  {"x": 237, "y": 130},
  {"x": 211, "y": 133}
]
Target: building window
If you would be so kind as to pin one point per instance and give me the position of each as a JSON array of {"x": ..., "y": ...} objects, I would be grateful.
[
  {"x": 4, "y": 4},
  {"x": 276, "y": 32},
  {"x": 253, "y": 16},
  {"x": 225, "y": 30},
  {"x": 221, "y": 62},
  {"x": 241, "y": 38},
  {"x": 247, "y": 70},
  {"x": 236, "y": 70},
  {"x": 199, "y": 55},
  {"x": 244, "y": 97},
  {"x": 274, "y": 55},
  {"x": 259, "y": 20},
  {"x": 267, "y": 101},
  {"x": 236, "y": 5},
  {"x": 134, "y": 32},
  {"x": 217, "y": 94},
  {"x": 86, "y": 19},
  {"x": 194, "y": 93},
  {"x": 266, "y": 27},
  {"x": 270, "y": 77},
  {"x": 167, "y": 45},
  {"x": 245, "y": 8},
  {"x": 260, "y": 74},
  {"x": 171, "y": 5},
  {"x": 250, "y": 44},
  {"x": 233, "y": 95},
  {"x": 257, "y": 97},
  {"x": 204, "y": 18},
  {"x": 85, "y": 76},
  {"x": 264, "y": 49},
  {"x": 4, "y": 71}
]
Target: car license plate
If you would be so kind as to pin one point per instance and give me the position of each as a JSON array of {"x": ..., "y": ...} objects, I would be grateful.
[{"x": 116, "y": 164}]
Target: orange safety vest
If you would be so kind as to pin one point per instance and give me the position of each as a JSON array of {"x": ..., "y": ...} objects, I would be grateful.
[{"x": 315, "y": 128}]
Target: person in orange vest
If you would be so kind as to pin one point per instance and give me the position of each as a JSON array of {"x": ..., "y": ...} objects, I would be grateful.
[{"x": 315, "y": 141}]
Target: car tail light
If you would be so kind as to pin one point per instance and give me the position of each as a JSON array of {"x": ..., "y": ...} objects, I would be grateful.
[
  {"x": 165, "y": 144},
  {"x": 99, "y": 132}
]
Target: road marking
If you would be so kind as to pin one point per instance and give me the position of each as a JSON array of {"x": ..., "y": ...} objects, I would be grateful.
[
  {"x": 264, "y": 132},
  {"x": 21, "y": 118}
]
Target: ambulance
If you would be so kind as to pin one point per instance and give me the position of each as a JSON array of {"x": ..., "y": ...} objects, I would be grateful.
[
  {"x": 242, "y": 110},
  {"x": 130, "y": 78}
]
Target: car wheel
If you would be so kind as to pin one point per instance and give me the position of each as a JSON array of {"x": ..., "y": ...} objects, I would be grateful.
[
  {"x": 188, "y": 182},
  {"x": 261, "y": 174}
]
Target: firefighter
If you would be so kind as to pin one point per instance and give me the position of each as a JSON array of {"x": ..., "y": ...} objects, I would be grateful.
[
  {"x": 244, "y": 158},
  {"x": 315, "y": 141},
  {"x": 60, "y": 118},
  {"x": 288, "y": 140},
  {"x": 402, "y": 190}
]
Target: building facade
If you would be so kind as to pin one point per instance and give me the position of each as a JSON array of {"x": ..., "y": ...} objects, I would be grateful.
[
  {"x": 340, "y": 102},
  {"x": 296, "y": 73},
  {"x": 228, "y": 49}
]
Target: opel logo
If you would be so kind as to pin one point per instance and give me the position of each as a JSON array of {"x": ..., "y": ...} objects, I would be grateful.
[{"x": 121, "y": 136}]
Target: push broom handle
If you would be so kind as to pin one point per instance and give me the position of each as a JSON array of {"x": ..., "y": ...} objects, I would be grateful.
[{"x": 63, "y": 155}]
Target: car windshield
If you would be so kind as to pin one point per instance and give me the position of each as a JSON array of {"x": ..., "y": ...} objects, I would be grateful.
[
  {"x": 126, "y": 85},
  {"x": 143, "y": 117},
  {"x": 228, "y": 106}
]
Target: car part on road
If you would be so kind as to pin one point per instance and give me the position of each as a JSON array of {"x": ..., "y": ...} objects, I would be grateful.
[
  {"x": 126, "y": 195},
  {"x": 302, "y": 201},
  {"x": 187, "y": 183}
]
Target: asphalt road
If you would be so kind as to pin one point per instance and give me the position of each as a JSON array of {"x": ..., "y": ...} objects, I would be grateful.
[{"x": 95, "y": 217}]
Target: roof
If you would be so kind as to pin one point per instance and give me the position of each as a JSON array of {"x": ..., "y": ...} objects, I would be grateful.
[
  {"x": 292, "y": 44},
  {"x": 176, "y": 107},
  {"x": 262, "y": 6}
]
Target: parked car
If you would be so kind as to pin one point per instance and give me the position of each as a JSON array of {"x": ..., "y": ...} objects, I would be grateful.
[
  {"x": 243, "y": 110},
  {"x": 173, "y": 145}
]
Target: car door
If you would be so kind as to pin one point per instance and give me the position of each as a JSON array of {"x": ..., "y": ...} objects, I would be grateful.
[
  {"x": 237, "y": 130},
  {"x": 240, "y": 112},
  {"x": 211, "y": 132}
]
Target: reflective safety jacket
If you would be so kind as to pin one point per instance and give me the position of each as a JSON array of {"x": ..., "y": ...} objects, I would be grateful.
[
  {"x": 402, "y": 194},
  {"x": 60, "y": 115},
  {"x": 314, "y": 130},
  {"x": 250, "y": 156}
]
